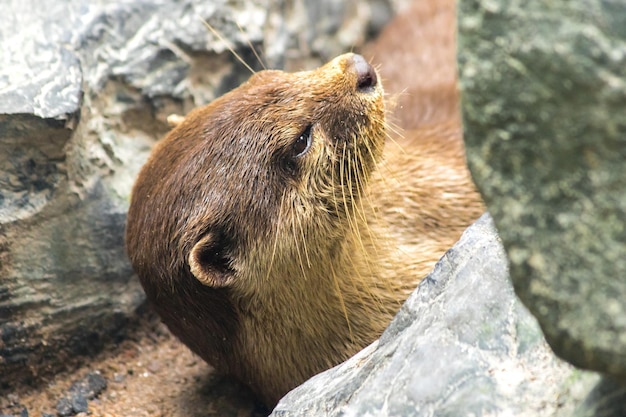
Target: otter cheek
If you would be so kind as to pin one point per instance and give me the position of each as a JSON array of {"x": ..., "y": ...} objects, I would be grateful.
[{"x": 208, "y": 263}]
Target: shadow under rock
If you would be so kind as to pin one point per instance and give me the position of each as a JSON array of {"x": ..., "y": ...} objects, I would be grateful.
[{"x": 221, "y": 396}]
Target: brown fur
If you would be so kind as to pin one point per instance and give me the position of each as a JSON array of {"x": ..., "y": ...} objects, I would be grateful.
[
  {"x": 416, "y": 56},
  {"x": 274, "y": 268}
]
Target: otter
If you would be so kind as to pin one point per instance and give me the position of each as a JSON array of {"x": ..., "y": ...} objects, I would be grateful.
[{"x": 276, "y": 234}]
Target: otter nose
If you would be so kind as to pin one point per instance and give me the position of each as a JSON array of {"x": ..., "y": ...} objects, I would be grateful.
[{"x": 365, "y": 74}]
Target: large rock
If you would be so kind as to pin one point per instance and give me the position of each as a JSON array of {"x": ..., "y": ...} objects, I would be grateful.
[
  {"x": 544, "y": 93},
  {"x": 85, "y": 88},
  {"x": 461, "y": 345},
  {"x": 606, "y": 399}
]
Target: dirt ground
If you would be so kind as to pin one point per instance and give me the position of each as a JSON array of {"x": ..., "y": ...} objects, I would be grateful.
[{"x": 150, "y": 374}]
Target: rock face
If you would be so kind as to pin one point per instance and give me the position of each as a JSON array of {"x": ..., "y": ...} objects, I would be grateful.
[
  {"x": 606, "y": 399},
  {"x": 544, "y": 93},
  {"x": 461, "y": 345},
  {"x": 84, "y": 92}
]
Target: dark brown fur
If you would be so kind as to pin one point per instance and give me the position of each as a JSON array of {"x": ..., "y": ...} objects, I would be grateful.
[{"x": 273, "y": 267}]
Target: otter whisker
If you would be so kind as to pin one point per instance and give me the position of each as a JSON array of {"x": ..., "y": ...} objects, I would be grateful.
[
  {"x": 390, "y": 172},
  {"x": 364, "y": 195},
  {"x": 306, "y": 250},
  {"x": 228, "y": 45},
  {"x": 277, "y": 233},
  {"x": 387, "y": 284},
  {"x": 252, "y": 48},
  {"x": 342, "y": 181},
  {"x": 295, "y": 238},
  {"x": 342, "y": 302},
  {"x": 397, "y": 131},
  {"x": 356, "y": 233},
  {"x": 359, "y": 236},
  {"x": 358, "y": 177},
  {"x": 333, "y": 181},
  {"x": 354, "y": 215},
  {"x": 381, "y": 164}
]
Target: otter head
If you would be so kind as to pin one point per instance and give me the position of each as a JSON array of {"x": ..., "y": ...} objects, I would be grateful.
[
  {"x": 245, "y": 191},
  {"x": 284, "y": 154}
]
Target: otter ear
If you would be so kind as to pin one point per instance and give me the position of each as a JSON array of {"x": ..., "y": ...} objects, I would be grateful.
[{"x": 209, "y": 262}]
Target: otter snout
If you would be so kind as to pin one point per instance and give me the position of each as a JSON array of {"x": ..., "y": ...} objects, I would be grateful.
[
  {"x": 365, "y": 74},
  {"x": 360, "y": 75}
]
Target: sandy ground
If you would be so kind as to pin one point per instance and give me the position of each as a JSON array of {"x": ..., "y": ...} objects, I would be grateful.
[{"x": 149, "y": 374}]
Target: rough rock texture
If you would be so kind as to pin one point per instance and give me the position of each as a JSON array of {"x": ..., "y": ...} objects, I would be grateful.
[
  {"x": 461, "y": 345},
  {"x": 85, "y": 88},
  {"x": 544, "y": 93},
  {"x": 79, "y": 393}
]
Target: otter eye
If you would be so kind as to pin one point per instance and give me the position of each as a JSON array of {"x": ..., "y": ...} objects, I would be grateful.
[{"x": 303, "y": 142}]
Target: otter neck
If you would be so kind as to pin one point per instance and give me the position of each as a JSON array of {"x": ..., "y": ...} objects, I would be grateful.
[
  {"x": 330, "y": 310},
  {"x": 339, "y": 285}
]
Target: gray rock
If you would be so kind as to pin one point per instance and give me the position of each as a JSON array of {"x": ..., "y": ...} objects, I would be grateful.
[
  {"x": 64, "y": 407},
  {"x": 79, "y": 403},
  {"x": 607, "y": 399},
  {"x": 461, "y": 345},
  {"x": 85, "y": 89},
  {"x": 544, "y": 93},
  {"x": 90, "y": 386}
]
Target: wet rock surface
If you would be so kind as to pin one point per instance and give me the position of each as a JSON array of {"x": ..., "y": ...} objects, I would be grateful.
[{"x": 544, "y": 92}]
